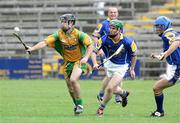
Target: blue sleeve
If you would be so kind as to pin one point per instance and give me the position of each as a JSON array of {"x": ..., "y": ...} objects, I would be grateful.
[{"x": 131, "y": 46}]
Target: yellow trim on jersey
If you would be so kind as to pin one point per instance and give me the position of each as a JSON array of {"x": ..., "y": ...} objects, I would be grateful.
[
  {"x": 168, "y": 30},
  {"x": 120, "y": 38},
  {"x": 97, "y": 30},
  {"x": 171, "y": 37},
  {"x": 133, "y": 46}
]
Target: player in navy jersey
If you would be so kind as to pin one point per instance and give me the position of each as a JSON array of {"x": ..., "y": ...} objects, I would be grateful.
[
  {"x": 171, "y": 52},
  {"x": 118, "y": 65},
  {"x": 101, "y": 30}
]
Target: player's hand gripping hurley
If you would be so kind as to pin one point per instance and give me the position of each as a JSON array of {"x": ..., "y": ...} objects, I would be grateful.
[
  {"x": 159, "y": 57},
  {"x": 115, "y": 53}
]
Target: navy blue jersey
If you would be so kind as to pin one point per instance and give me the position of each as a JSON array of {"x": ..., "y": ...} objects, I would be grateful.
[
  {"x": 168, "y": 37},
  {"x": 109, "y": 47},
  {"x": 102, "y": 29}
]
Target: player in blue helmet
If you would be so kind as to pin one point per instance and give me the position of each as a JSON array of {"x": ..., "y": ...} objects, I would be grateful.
[
  {"x": 171, "y": 52},
  {"x": 161, "y": 24},
  {"x": 118, "y": 65}
]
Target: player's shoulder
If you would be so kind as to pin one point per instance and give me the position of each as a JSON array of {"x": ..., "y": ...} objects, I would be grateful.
[
  {"x": 78, "y": 32},
  {"x": 105, "y": 22},
  {"x": 169, "y": 34},
  {"x": 75, "y": 30},
  {"x": 127, "y": 39}
]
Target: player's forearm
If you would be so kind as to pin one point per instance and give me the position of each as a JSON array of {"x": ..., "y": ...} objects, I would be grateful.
[
  {"x": 89, "y": 51},
  {"x": 133, "y": 62},
  {"x": 93, "y": 58},
  {"x": 171, "y": 49},
  {"x": 95, "y": 39},
  {"x": 39, "y": 45}
]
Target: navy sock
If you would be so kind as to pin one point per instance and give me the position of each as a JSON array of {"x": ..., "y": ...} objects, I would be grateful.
[
  {"x": 101, "y": 93},
  {"x": 159, "y": 102},
  {"x": 102, "y": 106}
]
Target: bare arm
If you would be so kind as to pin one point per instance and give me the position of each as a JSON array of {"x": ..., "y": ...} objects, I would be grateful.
[
  {"x": 94, "y": 61},
  {"x": 133, "y": 63},
  {"x": 88, "y": 53},
  {"x": 38, "y": 46},
  {"x": 171, "y": 49}
]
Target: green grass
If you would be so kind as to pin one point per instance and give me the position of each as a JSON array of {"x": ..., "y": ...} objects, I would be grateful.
[{"x": 48, "y": 101}]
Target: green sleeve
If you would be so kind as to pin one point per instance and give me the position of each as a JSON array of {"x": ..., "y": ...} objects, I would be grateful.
[
  {"x": 58, "y": 46},
  {"x": 56, "y": 35},
  {"x": 81, "y": 40}
]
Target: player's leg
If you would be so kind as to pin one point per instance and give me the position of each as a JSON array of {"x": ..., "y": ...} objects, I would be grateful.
[
  {"x": 105, "y": 80},
  {"x": 112, "y": 84},
  {"x": 76, "y": 73},
  {"x": 158, "y": 88},
  {"x": 121, "y": 95},
  {"x": 118, "y": 98},
  {"x": 71, "y": 91},
  {"x": 73, "y": 85},
  {"x": 101, "y": 92},
  {"x": 67, "y": 73}
]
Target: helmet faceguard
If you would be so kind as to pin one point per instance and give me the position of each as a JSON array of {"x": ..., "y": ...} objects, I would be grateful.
[{"x": 67, "y": 18}]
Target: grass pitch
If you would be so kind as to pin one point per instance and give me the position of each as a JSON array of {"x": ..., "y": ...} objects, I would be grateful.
[{"x": 48, "y": 101}]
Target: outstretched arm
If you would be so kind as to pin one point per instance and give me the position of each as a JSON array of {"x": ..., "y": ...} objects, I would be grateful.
[
  {"x": 38, "y": 46},
  {"x": 171, "y": 49}
]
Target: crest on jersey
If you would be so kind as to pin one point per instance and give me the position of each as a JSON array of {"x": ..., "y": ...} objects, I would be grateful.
[{"x": 133, "y": 46}]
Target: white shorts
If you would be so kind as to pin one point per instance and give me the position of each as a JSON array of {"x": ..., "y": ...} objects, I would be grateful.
[
  {"x": 170, "y": 71},
  {"x": 115, "y": 69}
]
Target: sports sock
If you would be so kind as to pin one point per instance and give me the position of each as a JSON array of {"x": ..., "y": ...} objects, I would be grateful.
[
  {"x": 101, "y": 93},
  {"x": 78, "y": 101},
  {"x": 102, "y": 106},
  {"x": 74, "y": 101},
  {"x": 159, "y": 102},
  {"x": 123, "y": 94}
]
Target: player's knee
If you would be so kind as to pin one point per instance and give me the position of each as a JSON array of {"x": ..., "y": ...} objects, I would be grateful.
[
  {"x": 73, "y": 80},
  {"x": 109, "y": 89},
  {"x": 71, "y": 90},
  {"x": 156, "y": 90}
]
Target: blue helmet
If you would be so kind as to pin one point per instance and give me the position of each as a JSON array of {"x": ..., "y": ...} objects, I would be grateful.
[{"x": 163, "y": 23}]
